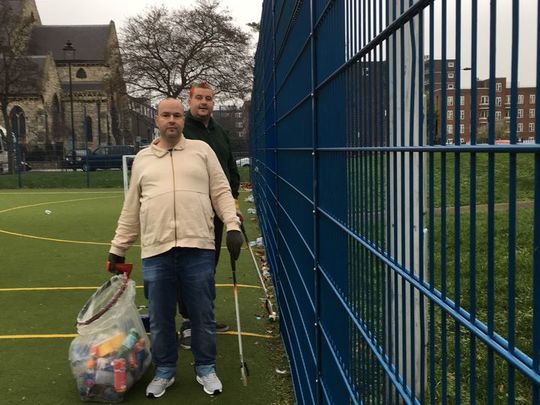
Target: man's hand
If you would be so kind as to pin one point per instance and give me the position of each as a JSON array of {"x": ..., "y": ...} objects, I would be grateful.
[
  {"x": 112, "y": 261},
  {"x": 234, "y": 243}
]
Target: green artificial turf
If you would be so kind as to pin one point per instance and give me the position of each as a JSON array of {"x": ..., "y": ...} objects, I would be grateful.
[{"x": 60, "y": 238}]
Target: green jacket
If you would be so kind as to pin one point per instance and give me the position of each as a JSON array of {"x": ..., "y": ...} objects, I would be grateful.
[{"x": 218, "y": 139}]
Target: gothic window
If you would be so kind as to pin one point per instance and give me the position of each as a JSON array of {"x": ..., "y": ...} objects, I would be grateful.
[
  {"x": 18, "y": 121},
  {"x": 81, "y": 74}
]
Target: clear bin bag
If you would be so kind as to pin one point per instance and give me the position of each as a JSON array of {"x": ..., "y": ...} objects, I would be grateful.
[{"x": 112, "y": 350}]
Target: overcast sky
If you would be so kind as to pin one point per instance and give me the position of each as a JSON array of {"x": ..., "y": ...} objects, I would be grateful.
[
  {"x": 71, "y": 12},
  {"x": 528, "y": 26}
]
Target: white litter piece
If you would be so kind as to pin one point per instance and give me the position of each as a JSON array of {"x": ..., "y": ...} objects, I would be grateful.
[
  {"x": 48, "y": 212},
  {"x": 249, "y": 198},
  {"x": 251, "y": 210}
]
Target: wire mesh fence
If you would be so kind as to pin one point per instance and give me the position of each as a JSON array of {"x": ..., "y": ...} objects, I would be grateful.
[{"x": 396, "y": 170}]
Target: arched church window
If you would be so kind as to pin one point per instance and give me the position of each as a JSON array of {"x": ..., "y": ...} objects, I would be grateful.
[
  {"x": 81, "y": 74},
  {"x": 18, "y": 121}
]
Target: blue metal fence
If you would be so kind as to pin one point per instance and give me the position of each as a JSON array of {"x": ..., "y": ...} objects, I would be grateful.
[{"x": 397, "y": 185}]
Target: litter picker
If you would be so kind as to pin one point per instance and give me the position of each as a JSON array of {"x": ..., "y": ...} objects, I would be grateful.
[
  {"x": 267, "y": 303},
  {"x": 243, "y": 365}
]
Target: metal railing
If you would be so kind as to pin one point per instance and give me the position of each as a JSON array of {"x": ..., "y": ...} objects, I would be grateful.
[{"x": 403, "y": 264}]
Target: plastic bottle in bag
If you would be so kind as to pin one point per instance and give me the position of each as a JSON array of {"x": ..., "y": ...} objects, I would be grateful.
[{"x": 128, "y": 343}]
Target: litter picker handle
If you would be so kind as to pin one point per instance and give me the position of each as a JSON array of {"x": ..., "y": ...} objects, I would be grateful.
[
  {"x": 124, "y": 268},
  {"x": 244, "y": 232}
]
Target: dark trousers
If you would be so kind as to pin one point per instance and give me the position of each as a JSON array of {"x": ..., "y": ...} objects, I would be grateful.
[{"x": 218, "y": 237}]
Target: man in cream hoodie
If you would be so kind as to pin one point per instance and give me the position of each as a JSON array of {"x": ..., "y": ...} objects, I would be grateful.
[{"x": 176, "y": 185}]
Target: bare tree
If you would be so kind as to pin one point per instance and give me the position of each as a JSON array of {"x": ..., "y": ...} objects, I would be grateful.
[
  {"x": 165, "y": 51},
  {"x": 16, "y": 71}
]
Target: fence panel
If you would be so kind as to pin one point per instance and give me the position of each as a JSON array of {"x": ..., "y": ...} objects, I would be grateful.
[{"x": 396, "y": 171}]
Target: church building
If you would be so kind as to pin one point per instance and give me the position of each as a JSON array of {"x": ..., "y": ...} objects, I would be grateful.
[{"x": 76, "y": 95}]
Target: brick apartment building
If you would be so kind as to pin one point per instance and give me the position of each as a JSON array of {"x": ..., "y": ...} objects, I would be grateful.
[
  {"x": 236, "y": 121},
  {"x": 453, "y": 112}
]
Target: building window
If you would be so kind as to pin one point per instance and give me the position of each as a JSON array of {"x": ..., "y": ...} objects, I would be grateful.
[
  {"x": 462, "y": 115},
  {"x": 461, "y": 100},
  {"x": 450, "y": 129},
  {"x": 240, "y": 134},
  {"x": 239, "y": 125},
  {"x": 461, "y": 129},
  {"x": 451, "y": 64},
  {"x": 532, "y": 112},
  {"x": 498, "y": 115},
  {"x": 520, "y": 113},
  {"x": 450, "y": 75},
  {"x": 450, "y": 100},
  {"x": 483, "y": 114},
  {"x": 238, "y": 115},
  {"x": 507, "y": 100},
  {"x": 532, "y": 98},
  {"x": 498, "y": 101},
  {"x": 81, "y": 74},
  {"x": 18, "y": 120},
  {"x": 484, "y": 100},
  {"x": 498, "y": 86},
  {"x": 450, "y": 114},
  {"x": 507, "y": 113},
  {"x": 531, "y": 127},
  {"x": 450, "y": 86},
  {"x": 520, "y": 98},
  {"x": 520, "y": 127}
]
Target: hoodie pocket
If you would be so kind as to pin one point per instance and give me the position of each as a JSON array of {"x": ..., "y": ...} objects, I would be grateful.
[{"x": 195, "y": 214}]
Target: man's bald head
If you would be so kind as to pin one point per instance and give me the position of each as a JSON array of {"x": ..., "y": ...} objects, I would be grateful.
[{"x": 170, "y": 121}]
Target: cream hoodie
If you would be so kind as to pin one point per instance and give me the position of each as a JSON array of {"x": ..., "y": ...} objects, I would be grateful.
[{"x": 171, "y": 200}]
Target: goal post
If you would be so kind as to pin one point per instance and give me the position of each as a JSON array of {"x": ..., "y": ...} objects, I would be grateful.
[{"x": 127, "y": 161}]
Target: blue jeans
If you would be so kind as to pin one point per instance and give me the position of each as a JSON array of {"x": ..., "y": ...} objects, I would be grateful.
[{"x": 190, "y": 271}]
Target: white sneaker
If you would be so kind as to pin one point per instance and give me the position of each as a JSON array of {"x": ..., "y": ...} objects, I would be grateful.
[
  {"x": 157, "y": 387},
  {"x": 211, "y": 384}
]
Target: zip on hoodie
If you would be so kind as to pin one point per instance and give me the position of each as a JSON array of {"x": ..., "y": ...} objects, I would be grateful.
[{"x": 174, "y": 196}]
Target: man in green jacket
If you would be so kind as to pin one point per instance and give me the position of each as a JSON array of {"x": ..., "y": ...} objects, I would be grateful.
[{"x": 200, "y": 125}]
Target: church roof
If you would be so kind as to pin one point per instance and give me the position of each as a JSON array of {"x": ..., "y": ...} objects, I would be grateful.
[{"x": 89, "y": 41}]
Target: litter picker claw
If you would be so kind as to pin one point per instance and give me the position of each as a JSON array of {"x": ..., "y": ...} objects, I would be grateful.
[{"x": 272, "y": 315}]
